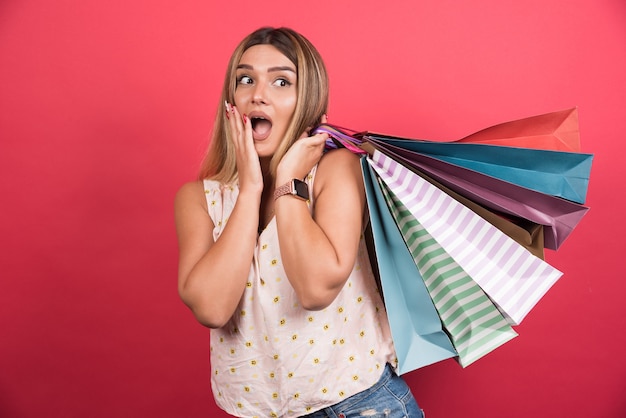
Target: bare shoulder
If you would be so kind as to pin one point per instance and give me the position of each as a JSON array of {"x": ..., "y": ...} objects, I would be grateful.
[
  {"x": 337, "y": 161},
  {"x": 189, "y": 195},
  {"x": 337, "y": 170}
]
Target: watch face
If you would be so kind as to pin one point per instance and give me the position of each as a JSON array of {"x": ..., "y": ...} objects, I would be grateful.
[{"x": 301, "y": 189}]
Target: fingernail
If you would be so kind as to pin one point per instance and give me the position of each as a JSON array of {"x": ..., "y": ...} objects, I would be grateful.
[{"x": 245, "y": 119}]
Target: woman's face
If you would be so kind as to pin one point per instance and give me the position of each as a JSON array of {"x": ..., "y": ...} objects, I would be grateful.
[{"x": 266, "y": 93}]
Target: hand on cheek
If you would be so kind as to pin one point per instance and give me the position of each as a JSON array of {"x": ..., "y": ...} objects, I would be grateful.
[{"x": 248, "y": 166}]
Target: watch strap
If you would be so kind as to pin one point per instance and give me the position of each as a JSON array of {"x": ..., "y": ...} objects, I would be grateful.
[
  {"x": 295, "y": 187},
  {"x": 283, "y": 190}
]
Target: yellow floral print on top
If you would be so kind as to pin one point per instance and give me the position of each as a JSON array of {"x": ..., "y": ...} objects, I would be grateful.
[{"x": 276, "y": 359}]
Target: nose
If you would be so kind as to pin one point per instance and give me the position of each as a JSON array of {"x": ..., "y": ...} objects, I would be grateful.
[{"x": 259, "y": 95}]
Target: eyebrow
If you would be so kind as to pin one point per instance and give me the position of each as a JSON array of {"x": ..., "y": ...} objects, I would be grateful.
[{"x": 269, "y": 70}]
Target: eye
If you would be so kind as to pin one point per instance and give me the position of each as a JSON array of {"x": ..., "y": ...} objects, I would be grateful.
[
  {"x": 244, "y": 79},
  {"x": 282, "y": 82}
]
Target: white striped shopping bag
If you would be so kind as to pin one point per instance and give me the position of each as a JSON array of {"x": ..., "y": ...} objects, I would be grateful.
[
  {"x": 512, "y": 277},
  {"x": 475, "y": 325}
]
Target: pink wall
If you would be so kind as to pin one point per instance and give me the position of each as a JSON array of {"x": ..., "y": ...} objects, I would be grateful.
[{"x": 105, "y": 109}]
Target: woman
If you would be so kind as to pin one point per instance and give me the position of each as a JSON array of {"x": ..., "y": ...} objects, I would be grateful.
[{"x": 271, "y": 251}]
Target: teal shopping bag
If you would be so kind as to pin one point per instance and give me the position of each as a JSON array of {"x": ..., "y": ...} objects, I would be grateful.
[
  {"x": 415, "y": 325},
  {"x": 558, "y": 216},
  {"x": 558, "y": 173}
]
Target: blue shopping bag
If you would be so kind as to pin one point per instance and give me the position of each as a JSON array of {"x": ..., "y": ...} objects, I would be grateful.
[{"x": 415, "y": 325}]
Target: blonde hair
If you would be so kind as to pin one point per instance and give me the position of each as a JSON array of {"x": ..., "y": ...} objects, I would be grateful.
[{"x": 312, "y": 99}]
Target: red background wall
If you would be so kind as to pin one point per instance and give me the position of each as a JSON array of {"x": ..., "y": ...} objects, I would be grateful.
[{"x": 105, "y": 110}]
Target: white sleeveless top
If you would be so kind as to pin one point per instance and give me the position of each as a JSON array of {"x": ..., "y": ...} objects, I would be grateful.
[{"x": 276, "y": 359}]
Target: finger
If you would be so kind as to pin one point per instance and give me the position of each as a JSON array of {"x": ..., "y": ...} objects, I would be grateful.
[
  {"x": 320, "y": 138},
  {"x": 230, "y": 115},
  {"x": 316, "y": 139},
  {"x": 245, "y": 139},
  {"x": 236, "y": 124},
  {"x": 247, "y": 131}
]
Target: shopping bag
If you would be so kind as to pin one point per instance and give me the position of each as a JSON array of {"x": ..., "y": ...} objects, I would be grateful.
[
  {"x": 416, "y": 329},
  {"x": 492, "y": 228},
  {"x": 559, "y": 216},
  {"x": 556, "y": 131},
  {"x": 473, "y": 322},
  {"x": 511, "y": 276},
  {"x": 528, "y": 234},
  {"x": 557, "y": 173},
  {"x": 544, "y": 152}
]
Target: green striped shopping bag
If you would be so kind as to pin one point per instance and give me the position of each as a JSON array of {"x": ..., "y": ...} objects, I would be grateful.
[{"x": 475, "y": 325}]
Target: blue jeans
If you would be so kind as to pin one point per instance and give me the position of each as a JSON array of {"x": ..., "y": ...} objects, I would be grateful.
[{"x": 390, "y": 397}]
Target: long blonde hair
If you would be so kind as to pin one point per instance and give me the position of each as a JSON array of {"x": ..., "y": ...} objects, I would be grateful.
[{"x": 312, "y": 99}]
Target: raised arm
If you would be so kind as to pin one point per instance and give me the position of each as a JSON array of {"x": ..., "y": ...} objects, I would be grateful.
[
  {"x": 212, "y": 275},
  {"x": 319, "y": 251}
]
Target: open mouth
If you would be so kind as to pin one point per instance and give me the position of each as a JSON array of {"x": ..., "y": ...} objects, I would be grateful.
[{"x": 261, "y": 127}]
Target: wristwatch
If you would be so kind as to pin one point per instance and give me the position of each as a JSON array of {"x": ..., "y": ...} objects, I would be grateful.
[{"x": 295, "y": 187}]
